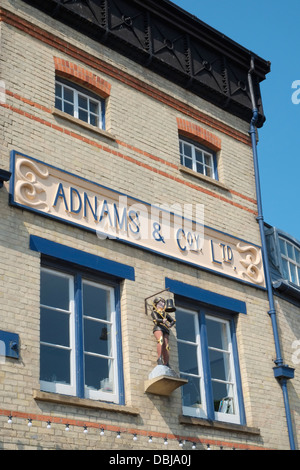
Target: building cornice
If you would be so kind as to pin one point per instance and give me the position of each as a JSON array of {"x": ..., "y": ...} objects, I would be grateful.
[{"x": 171, "y": 42}]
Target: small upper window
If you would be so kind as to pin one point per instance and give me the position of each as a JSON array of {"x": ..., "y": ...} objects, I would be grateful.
[
  {"x": 290, "y": 257},
  {"x": 197, "y": 158},
  {"x": 79, "y": 103}
]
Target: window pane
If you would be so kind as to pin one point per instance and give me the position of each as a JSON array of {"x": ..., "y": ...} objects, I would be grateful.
[
  {"x": 96, "y": 302},
  {"x": 94, "y": 120},
  {"x": 290, "y": 250},
  {"x": 58, "y": 103},
  {"x": 208, "y": 159},
  {"x": 68, "y": 108},
  {"x": 187, "y": 150},
  {"x": 94, "y": 107},
  {"x": 68, "y": 95},
  {"x": 208, "y": 171},
  {"x": 55, "y": 365},
  {"x": 199, "y": 156},
  {"x": 185, "y": 326},
  {"x": 282, "y": 246},
  {"x": 293, "y": 273},
  {"x": 188, "y": 358},
  {"x": 54, "y": 290},
  {"x": 83, "y": 115},
  {"x": 216, "y": 334},
  {"x": 200, "y": 168},
  {"x": 285, "y": 266},
  {"x": 223, "y": 398},
  {"x": 97, "y": 337},
  {"x": 82, "y": 102},
  {"x": 191, "y": 395},
  {"x": 219, "y": 365},
  {"x": 54, "y": 327},
  {"x": 297, "y": 255},
  {"x": 58, "y": 90},
  {"x": 97, "y": 371},
  {"x": 188, "y": 163}
]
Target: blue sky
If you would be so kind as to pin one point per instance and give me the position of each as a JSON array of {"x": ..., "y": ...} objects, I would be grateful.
[{"x": 269, "y": 28}]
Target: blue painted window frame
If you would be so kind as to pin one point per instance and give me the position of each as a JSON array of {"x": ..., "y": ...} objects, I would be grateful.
[
  {"x": 207, "y": 303},
  {"x": 81, "y": 264},
  {"x": 80, "y": 275},
  {"x": 81, "y": 258}
]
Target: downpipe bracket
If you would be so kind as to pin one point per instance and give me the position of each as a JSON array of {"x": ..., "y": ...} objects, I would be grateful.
[{"x": 283, "y": 372}]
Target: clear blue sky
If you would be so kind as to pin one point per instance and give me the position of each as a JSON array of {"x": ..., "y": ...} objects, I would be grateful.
[{"x": 271, "y": 29}]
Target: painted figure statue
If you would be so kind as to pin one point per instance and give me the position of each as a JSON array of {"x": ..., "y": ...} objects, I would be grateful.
[{"x": 162, "y": 324}]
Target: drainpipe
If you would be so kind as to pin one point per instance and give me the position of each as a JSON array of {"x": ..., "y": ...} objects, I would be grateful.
[
  {"x": 4, "y": 176},
  {"x": 282, "y": 372}
]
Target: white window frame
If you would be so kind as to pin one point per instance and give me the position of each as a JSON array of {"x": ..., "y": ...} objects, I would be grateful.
[
  {"x": 205, "y": 152},
  {"x": 204, "y": 371},
  {"x": 56, "y": 387},
  {"x": 75, "y": 103},
  {"x": 75, "y": 316},
  {"x": 289, "y": 260},
  {"x": 197, "y": 412},
  {"x": 100, "y": 394},
  {"x": 221, "y": 416}
]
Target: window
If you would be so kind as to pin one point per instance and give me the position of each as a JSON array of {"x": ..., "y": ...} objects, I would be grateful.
[
  {"x": 190, "y": 362},
  {"x": 198, "y": 158},
  {"x": 79, "y": 103},
  {"x": 290, "y": 259},
  {"x": 206, "y": 360},
  {"x": 78, "y": 331}
]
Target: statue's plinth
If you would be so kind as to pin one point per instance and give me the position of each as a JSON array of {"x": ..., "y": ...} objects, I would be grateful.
[{"x": 163, "y": 380}]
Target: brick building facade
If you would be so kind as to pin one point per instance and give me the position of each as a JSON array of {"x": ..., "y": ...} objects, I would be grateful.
[{"x": 110, "y": 110}]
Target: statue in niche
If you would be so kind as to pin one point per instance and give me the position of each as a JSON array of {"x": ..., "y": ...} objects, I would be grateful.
[{"x": 162, "y": 324}]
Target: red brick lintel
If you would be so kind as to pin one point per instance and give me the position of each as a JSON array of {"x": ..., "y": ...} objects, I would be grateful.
[
  {"x": 65, "y": 68},
  {"x": 199, "y": 134}
]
